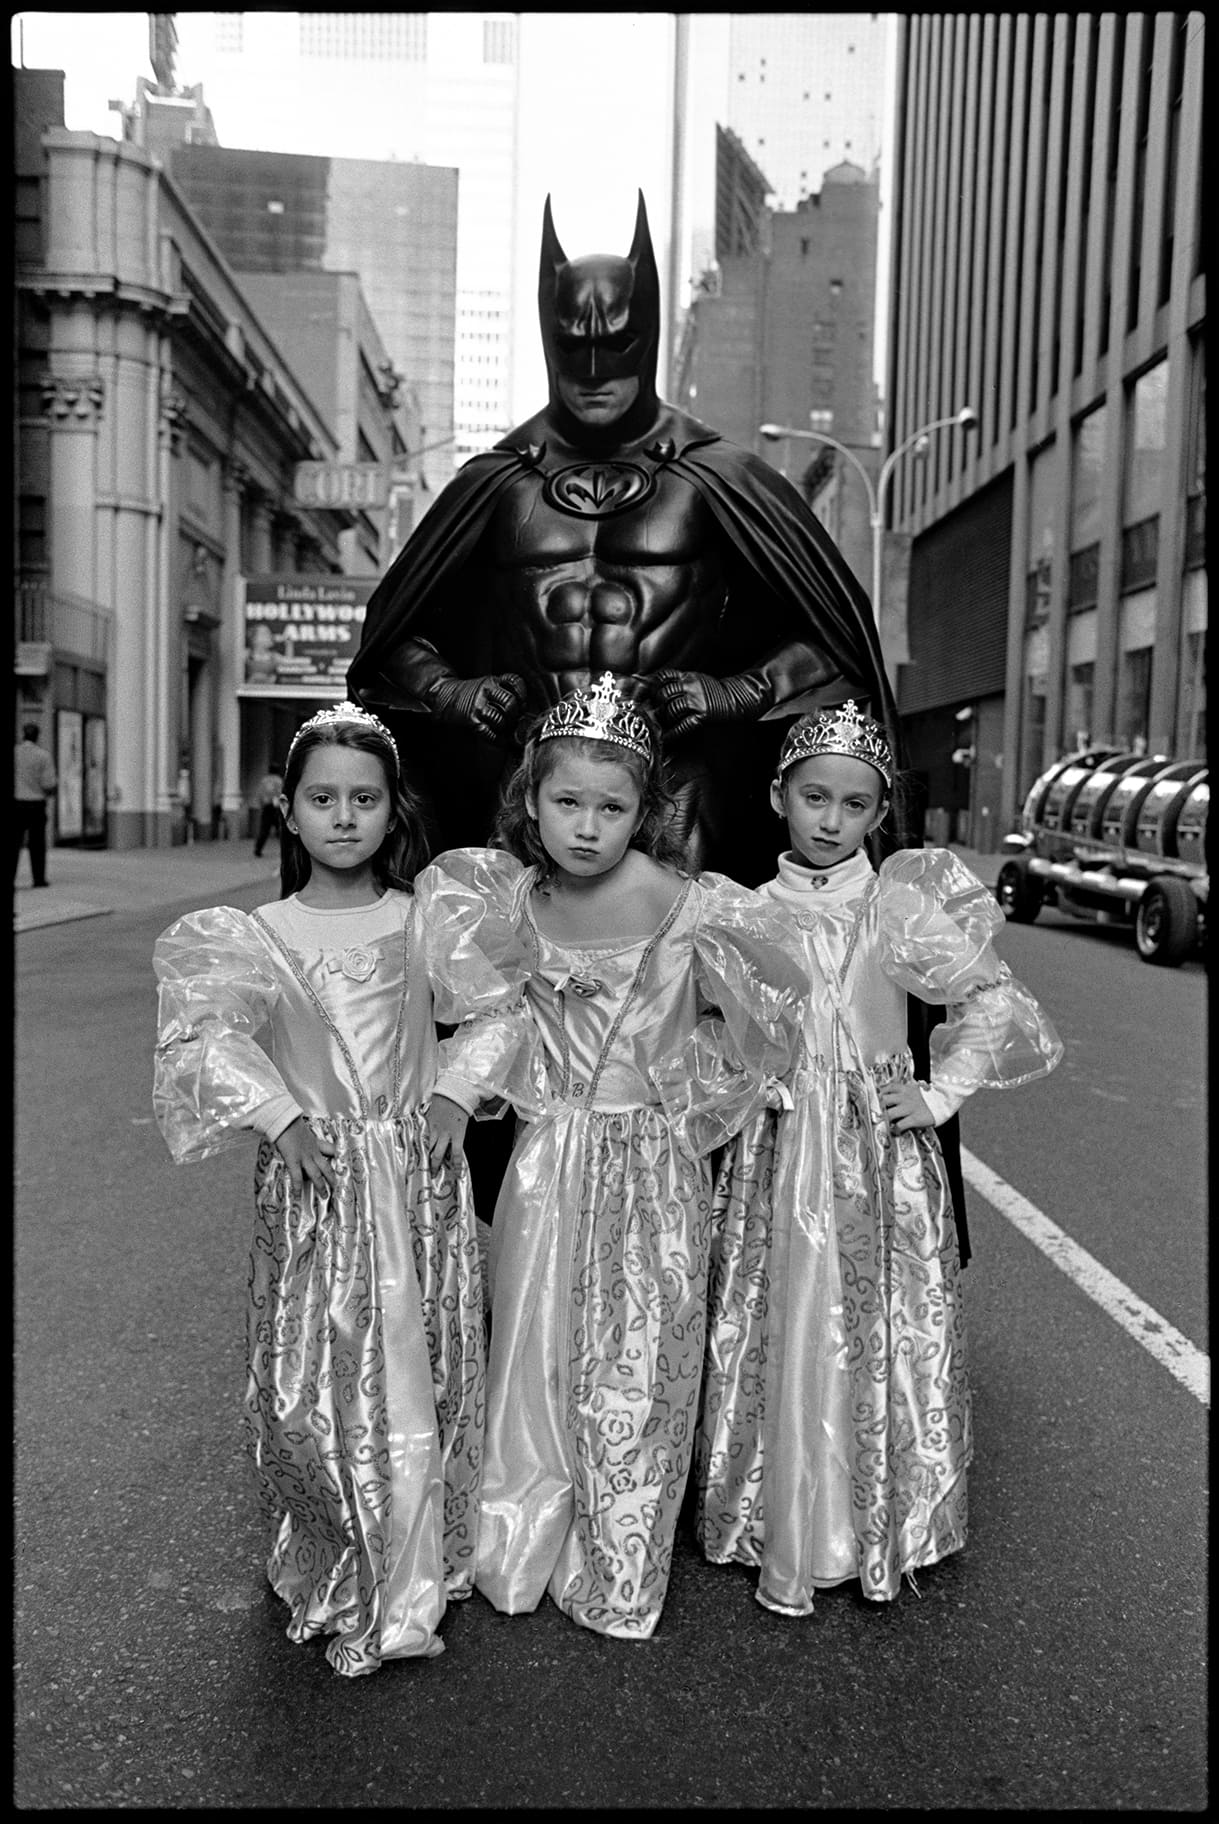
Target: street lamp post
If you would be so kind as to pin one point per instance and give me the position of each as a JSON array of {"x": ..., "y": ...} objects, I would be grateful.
[{"x": 877, "y": 491}]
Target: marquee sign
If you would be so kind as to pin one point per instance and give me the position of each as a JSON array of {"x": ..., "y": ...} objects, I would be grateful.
[{"x": 301, "y": 633}]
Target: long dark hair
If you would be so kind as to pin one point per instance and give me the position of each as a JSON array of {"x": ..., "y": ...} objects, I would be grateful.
[
  {"x": 516, "y": 830},
  {"x": 404, "y": 850}
]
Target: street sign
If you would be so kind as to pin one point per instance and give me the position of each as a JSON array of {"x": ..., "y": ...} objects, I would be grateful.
[{"x": 341, "y": 484}]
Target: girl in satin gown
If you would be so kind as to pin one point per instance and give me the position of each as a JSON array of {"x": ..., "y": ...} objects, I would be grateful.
[
  {"x": 835, "y": 1434},
  {"x": 310, "y": 1023},
  {"x": 664, "y": 1009}
]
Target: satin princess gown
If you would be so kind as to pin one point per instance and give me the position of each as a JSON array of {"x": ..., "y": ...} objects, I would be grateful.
[
  {"x": 599, "y": 1240},
  {"x": 366, "y": 1366},
  {"x": 835, "y": 1434}
]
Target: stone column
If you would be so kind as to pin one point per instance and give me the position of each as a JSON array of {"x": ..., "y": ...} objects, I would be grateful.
[{"x": 230, "y": 639}]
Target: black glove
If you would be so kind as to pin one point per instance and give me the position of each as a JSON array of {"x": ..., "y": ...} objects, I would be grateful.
[
  {"x": 488, "y": 705},
  {"x": 690, "y": 699}
]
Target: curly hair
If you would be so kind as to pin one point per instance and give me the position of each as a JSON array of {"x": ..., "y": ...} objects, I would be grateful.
[
  {"x": 404, "y": 850},
  {"x": 516, "y": 829}
]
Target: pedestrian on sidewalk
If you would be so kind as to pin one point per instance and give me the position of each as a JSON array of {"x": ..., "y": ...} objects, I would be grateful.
[
  {"x": 266, "y": 798},
  {"x": 366, "y": 1341},
  {"x": 836, "y": 1428},
  {"x": 34, "y": 779}
]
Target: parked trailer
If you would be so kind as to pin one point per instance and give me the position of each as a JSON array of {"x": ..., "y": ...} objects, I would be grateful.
[{"x": 1118, "y": 838}]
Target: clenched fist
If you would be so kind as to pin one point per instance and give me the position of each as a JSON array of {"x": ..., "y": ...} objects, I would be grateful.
[
  {"x": 489, "y": 704},
  {"x": 689, "y": 699}
]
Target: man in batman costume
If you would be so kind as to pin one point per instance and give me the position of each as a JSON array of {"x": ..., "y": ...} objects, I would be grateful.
[{"x": 613, "y": 532}]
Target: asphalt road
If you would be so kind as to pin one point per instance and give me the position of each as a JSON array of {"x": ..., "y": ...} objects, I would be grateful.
[{"x": 1057, "y": 1663}]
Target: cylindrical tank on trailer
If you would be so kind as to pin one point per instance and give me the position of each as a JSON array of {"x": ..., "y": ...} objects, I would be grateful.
[
  {"x": 1191, "y": 824},
  {"x": 1034, "y": 803},
  {"x": 1125, "y": 801},
  {"x": 1067, "y": 781},
  {"x": 1156, "y": 829},
  {"x": 1093, "y": 795}
]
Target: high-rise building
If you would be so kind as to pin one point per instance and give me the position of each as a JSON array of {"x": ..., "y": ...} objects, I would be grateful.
[
  {"x": 1049, "y": 272},
  {"x": 802, "y": 93},
  {"x": 435, "y": 89},
  {"x": 395, "y": 225},
  {"x": 781, "y": 331},
  {"x": 805, "y": 93}
]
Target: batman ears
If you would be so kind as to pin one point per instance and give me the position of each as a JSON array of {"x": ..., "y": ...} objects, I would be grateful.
[
  {"x": 642, "y": 235},
  {"x": 641, "y": 245},
  {"x": 552, "y": 249}
]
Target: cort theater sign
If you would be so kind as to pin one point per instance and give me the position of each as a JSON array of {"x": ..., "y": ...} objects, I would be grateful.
[
  {"x": 301, "y": 633},
  {"x": 341, "y": 484}
]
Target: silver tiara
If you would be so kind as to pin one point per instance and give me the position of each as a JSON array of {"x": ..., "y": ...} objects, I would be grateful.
[
  {"x": 351, "y": 715},
  {"x": 841, "y": 730},
  {"x": 599, "y": 714}
]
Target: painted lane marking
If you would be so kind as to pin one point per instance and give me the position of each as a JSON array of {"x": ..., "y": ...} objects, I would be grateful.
[{"x": 1172, "y": 1350}]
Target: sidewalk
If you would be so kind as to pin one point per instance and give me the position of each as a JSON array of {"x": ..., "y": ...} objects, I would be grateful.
[{"x": 88, "y": 883}]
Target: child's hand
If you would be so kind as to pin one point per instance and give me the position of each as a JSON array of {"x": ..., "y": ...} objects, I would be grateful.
[
  {"x": 306, "y": 1156},
  {"x": 447, "y": 1122},
  {"x": 903, "y": 1104}
]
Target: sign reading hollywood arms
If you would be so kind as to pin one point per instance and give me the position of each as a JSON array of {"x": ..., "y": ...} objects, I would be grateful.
[{"x": 301, "y": 633}]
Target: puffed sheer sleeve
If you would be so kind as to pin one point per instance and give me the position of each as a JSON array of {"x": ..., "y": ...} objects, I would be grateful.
[
  {"x": 212, "y": 1080},
  {"x": 753, "y": 985},
  {"x": 468, "y": 905},
  {"x": 937, "y": 923}
]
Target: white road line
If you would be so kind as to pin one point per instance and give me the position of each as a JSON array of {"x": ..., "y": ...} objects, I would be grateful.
[{"x": 1172, "y": 1350}]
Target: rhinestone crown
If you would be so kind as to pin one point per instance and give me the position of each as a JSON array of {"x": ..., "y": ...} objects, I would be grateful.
[
  {"x": 349, "y": 714},
  {"x": 841, "y": 730},
  {"x": 599, "y": 714}
]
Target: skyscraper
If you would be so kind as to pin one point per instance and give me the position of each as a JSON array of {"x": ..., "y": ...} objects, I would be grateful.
[
  {"x": 802, "y": 92},
  {"x": 805, "y": 93},
  {"x": 395, "y": 225},
  {"x": 1050, "y": 271},
  {"x": 433, "y": 88}
]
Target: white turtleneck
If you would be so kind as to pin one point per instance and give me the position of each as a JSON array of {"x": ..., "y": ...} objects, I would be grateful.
[{"x": 833, "y": 894}]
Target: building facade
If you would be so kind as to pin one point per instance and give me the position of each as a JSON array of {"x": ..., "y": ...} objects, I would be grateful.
[
  {"x": 799, "y": 92},
  {"x": 393, "y": 224},
  {"x": 409, "y": 91},
  {"x": 1048, "y": 271},
  {"x": 782, "y": 333},
  {"x": 159, "y": 430}
]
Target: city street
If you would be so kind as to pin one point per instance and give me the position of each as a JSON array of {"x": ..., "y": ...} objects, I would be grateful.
[{"x": 1057, "y": 1663}]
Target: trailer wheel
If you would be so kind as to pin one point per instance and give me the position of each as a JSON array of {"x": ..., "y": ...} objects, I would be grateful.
[
  {"x": 1018, "y": 892},
  {"x": 1166, "y": 922}
]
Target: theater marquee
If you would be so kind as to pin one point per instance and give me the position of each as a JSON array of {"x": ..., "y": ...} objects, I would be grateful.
[{"x": 301, "y": 633}]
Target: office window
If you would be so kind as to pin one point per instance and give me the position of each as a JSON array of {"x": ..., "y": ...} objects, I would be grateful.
[
  {"x": 1176, "y": 86},
  {"x": 499, "y": 40},
  {"x": 383, "y": 36},
  {"x": 1080, "y": 685},
  {"x": 1087, "y": 457},
  {"x": 32, "y": 535},
  {"x": 1145, "y": 445},
  {"x": 1192, "y": 719},
  {"x": 229, "y": 36},
  {"x": 1134, "y": 699},
  {"x": 1032, "y": 731}
]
